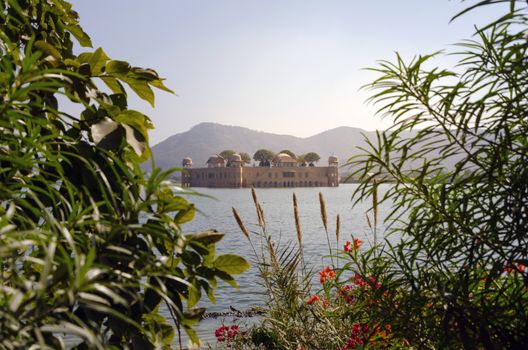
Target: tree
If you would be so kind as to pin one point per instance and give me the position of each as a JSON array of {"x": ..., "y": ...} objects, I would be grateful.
[
  {"x": 246, "y": 158},
  {"x": 301, "y": 160},
  {"x": 263, "y": 156},
  {"x": 227, "y": 153},
  {"x": 456, "y": 277},
  {"x": 288, "y": 152},
  {"x": 90, "y": 246},
  {"x": 311, "y": 158}
]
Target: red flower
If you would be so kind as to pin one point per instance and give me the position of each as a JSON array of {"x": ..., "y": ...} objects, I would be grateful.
[
  {"x": 348, "y": 247},
  {"x": 357, "y": 243},
  {"x": 226, "y": 333},
  {"x": 313, "y": 299},
  {"x": 521, "y": 267},
  {"x": 327, "y": 273}
]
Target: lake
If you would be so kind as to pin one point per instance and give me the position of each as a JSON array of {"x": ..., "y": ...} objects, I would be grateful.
[{"x": 277, "y": 203}]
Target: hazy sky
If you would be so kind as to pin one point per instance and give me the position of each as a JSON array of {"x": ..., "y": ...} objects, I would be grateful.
[{"x": 282, "y": 66}]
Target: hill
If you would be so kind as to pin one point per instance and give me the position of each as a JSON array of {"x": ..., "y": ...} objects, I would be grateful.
[{"x": 206, "y": 139}]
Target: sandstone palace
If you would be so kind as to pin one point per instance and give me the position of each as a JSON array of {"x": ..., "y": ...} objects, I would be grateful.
[{"x": 282, "y": 171}]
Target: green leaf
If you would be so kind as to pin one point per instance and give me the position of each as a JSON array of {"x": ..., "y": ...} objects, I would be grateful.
[
  {"x": 231, "y": 264},
  {"x": 141, "y": 88},
  {"x": 117, "y": 67},
  {"x": 47, "y": 48},
  {"x": 114, "y": 85},
  {"x": 195, "y": 294},
  {"x": 185, "y": 215},
  {"x": 206, "y": 237},
  {"x": 159, "y": 84},
  {"x": 80, "y": 35},
  {"x": 98, "y": 61}
]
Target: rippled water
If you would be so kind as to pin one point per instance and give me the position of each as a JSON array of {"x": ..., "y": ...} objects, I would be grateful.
[{"x": 278, "y": 208}]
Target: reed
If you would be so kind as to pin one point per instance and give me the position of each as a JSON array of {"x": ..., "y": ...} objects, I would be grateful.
[
  {"x": 325, "y": 224},
  {"x": 297, "y": 221},
  {"x": 260, "y": 212},
  {"x": 240, "y": 223}
]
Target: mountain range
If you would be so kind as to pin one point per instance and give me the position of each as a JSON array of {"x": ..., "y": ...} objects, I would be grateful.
[{"x": 206, "y": 139}]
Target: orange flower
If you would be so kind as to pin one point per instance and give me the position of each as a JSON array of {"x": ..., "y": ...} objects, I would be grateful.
[
  {"x": 521, "y": 267},
  {"x": 357, "y": 243},
  {"x": 313, "y": 299},
  {"x": 511, "y": 268},
  {"x": 327, "y": 273},
  {"x": 326, "y": 303}
]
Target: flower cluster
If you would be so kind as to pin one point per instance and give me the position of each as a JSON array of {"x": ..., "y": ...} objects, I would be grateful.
[
  {"x": 311, "y": 300},
  {"x": 360, "y": 282},
  {"x": 346, "y": 293},
  {"x": 350, "y": 247},
  {"x": 226, "y": 333},
  {"x": 327, "y": 273},
  {"x": 512, "y": 268},
  {"x": 358, "y": 336}
]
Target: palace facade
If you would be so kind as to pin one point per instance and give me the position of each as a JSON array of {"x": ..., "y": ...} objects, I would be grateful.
[{"x": 283, "y": 171}]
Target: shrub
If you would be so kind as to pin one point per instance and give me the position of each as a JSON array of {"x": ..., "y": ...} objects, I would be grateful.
[{"x": 89, "y": 245}]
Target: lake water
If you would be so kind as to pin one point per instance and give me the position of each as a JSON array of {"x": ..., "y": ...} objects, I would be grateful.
[{"x": 278, "y": 208}]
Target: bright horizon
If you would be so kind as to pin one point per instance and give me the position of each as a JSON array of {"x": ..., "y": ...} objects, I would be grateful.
[{"x": 285, "y": 67}]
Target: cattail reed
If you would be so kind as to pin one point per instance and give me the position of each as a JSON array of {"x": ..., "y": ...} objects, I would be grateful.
[
  {"x": 240, "y": 223},
  {"x": 325, "y": 224},
  {"x": 272, "y": 252},
  {"x": 323, "y": 211},
  {"x": 260, "y": 213},
  {"x": 338, "y": 225},
  {"x": 297, "y": 221}
]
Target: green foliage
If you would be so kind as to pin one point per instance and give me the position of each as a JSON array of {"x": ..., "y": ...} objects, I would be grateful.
[
  {"x": 227, "y": 153},
  {"x": 263, "y": 155},
  {"x": 246, "y": 158},
  {"x": 458, "y": 270},
  {"x": 89, "y": 246},
  {"x": 315, "y": 309},
  {"x": 311, "y": 157}
]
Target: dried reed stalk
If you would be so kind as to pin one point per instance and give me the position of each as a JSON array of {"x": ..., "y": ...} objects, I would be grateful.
[
  {"x": 240, "y": 223},
  {"x": 272, "y": 252},
  {"x": 260, "y": 212},
  {"x": 323, "y": 211},
  {"x": 338, "y": 225},
  {"x": 297, "y": 221}
]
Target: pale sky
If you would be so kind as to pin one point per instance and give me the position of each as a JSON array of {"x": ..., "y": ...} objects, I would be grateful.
[{"x": 282, "y": 66}]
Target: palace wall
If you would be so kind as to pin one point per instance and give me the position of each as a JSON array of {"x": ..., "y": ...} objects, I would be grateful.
[{"x": 263, "y": 177}]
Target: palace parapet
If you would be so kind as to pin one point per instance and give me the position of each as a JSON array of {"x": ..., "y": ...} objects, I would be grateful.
[{"x": 283, "y": 171}]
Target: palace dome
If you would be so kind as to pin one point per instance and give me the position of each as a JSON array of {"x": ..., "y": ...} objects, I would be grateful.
[
  {"x": 216, "y": 159},
  {"x": 333, "y": 159},
  {"x": 284, "y": 158},
  {"x": 187, "y": 161}
]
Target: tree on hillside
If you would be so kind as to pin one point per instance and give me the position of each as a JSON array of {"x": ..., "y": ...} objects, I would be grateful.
[
  {"x": 227, "y": 153},
  {"x": 89, "y": 246},
  {"x": 264, "y": 157},
  {"x": 288, "y": 152},
  {"x": 311, "y": 158},
  {"x": 246, "y": 158}
]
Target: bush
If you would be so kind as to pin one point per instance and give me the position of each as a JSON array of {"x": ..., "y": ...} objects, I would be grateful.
[
  {"x": 452, "y": 273},
  {"x": 89, "y": 245}
]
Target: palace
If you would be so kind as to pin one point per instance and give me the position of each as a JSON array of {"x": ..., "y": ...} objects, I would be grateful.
[{"x": 283, "y": 171}]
